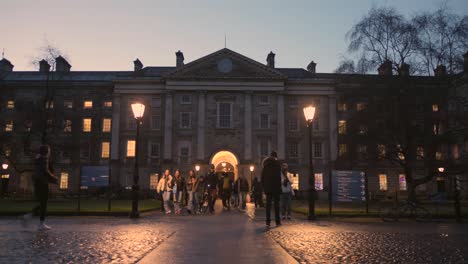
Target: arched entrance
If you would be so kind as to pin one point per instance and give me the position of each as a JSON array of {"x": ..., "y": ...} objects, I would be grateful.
[{"x": 226, "y": 161}]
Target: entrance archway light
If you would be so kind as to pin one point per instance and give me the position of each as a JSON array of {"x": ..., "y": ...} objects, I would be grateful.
[
  {"x": 223, "y": 164},
  {"x": 309, "y": 114}
]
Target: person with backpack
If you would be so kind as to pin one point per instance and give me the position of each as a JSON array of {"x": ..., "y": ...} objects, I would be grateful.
[
  {"x": 226, "y": 186},
  {"x": 243, "y": 191},
  {"x": 257, "y": 192},
  {"x": 165, "y": 188}
]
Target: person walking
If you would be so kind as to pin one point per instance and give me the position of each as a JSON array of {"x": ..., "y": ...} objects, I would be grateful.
[
  {"x": 243, "y": 191},
  {"x": 226, "y": 185},
  {"x": 165, "y": 188},
  {"x": 271, "y": 183},
  {"x": 41, "y": 178},
  {"x": 199, "y": 187},
  {"x": 212, "y": 185},
  {"x": 257, "y": 192},
  {"x": 286, "y": 192},
  {"x": 178, "y": 191},
  {"x": 190, "y": 187}
]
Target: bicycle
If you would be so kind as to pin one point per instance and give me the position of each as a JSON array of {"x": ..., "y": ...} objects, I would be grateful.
[{"x": 407, "y": 209}]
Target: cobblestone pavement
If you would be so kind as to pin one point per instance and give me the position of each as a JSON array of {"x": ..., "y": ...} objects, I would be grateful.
[{"x": 326, "y": 242}]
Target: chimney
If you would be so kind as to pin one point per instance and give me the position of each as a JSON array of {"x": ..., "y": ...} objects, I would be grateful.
[
  {"x": 440, "y": 71},
  {"x": 404, "y": 70},
  {"x": 311, "y": 67},
  {"x": 179, "y": 59},
  {"x": 44, "y": 66},
  {"x": 62, "y": 65},
  {"x": 138, "y": 66},
  {"x": 271, "y": 60},
  {"x": 465, "y": 63},
  {"x": 6, "y": 66},
  {"x": 385, "y": 69}
]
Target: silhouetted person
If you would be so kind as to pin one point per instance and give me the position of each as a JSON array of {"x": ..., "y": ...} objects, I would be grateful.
[
  {"x": 41, "y": 178},
  {"x": 257, "y": 192},
  {"x": 212, "y": 184},
  {"x": 271, "y": 182}
]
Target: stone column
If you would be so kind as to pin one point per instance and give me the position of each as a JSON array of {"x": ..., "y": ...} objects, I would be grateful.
[
  {"x": 332, "y": 127},
  {"x": 248, "y": 126},
  {"x": 201, "y": 126},
  {"x": 115, "y": 139},
  {"x": 168, "y": 127},
  {"x": 281, "y": 127}
]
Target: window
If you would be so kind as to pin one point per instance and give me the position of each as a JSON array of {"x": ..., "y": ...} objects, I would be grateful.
[
  {"x": 185, "y": 120},
  {"x": 9, "y": 126},
  {"x": 64, "y": 180},
  {"x": 383, "y": 182},
  {"x": 224, "y": 115},
  {"x": 49, "y": 104},
  {"x": 154, "y": 181},
  {"x": 381, "y": 151},
  {"x": 342, "y": 107},
  {"x": 131, "y": 122},
  {"x": 435, "y": 108},
  {"x": 319, "y": 181},
  {"x": 263, "y": 99},
  {"x": 88, "y": 104},
  {"x": 154, "y": 150},
  {"x": 7, "y": 151},
  {"x": 131, "y": 148},
  {"x": 455, "y": 152},
  {"x": 342, "y": 150},
  {"x": 293, "y": 152},
  {"x": 107, "y": 104},
  {"x": 419, "y": 153},
  {"x": 362, "y": 130},
  {"x": 184, "y": 154},
  {"x": 293, "y": 124},
  {"x": 438, "y": 155},
  {"x": 292, "y": 101},
  {"x": 28, "y": 125},
  {"x": 362, "y": 151},
  {"x": 11, "y": 104},
  {"x": 360, "y": 107},
  {"x": 86, "y": 124},
  {"x": 316, "y": 123},
  {"x": 342, "y": 127},
  {"x": 264, "y": 121},
  {"x": 106, "y": 125},
  {"x": 186, "y": 99},
  {"x": 264, "y": 147},
  {"x": 318, "y": 149},
  {"x": 68, "y": 104},
  {"x": 105, "y": 150},
  {"x": 436, "y": 129},
  {"x": 67, "y": 126},
  {"x": 84, "y": 151},
  {"x": 156, "y": 122},
  {"x": 402, "y": 182},
  {"x": 155, "y": 102}
]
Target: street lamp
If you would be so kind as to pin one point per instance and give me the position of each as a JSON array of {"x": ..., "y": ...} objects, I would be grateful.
[
  {"x": 138, "y": 111},
  {"x": 441, "y": 169},
  {"x": 197, "y": 168},
  {"x": 309, "y": 113},
  {"x": 5, "y": 166},
  {"x": 251, "y": 172}
]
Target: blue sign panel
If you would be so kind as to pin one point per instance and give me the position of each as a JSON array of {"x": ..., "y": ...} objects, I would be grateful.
[
  {"x": 348, "y": 186},
  {"x": 94, "y": 176}
]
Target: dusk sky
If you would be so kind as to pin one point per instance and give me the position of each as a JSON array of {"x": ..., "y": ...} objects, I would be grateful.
[{"x": 110, "y": 34}]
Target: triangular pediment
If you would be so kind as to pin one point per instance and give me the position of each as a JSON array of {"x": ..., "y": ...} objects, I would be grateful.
[{"x": 225, "y": 64}]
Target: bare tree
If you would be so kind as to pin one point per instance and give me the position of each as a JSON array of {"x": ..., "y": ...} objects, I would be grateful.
[{"x": 48, "y": 52}]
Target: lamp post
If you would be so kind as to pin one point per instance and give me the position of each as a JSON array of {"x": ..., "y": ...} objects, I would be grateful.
[
  {"x": 4, "y": 180},
  {"x": 251, "y": 172},
  {"x": 138, "y": 111},
  {"x": 309, "y": 113}
]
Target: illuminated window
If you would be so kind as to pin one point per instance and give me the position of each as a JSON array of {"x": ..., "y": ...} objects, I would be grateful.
[
  {"x": 264, "y": 121},
  {"x": 64, "y": 180},
  {"x": 435, "y": 108},
  {"x": 360, "y": 107},
  {"x": 186, "y": 99},
  {"x": 383, "y": 182},
  {"x": 49, "y": 104},
  {"x": 319, "y": 181},
  {"x": 342, "y": 107},
  {"x": 86, "y": 124},
  {"x": 381, "y": 151},
  {"x": 402, "y": 182},
  {"x": 67, "y": 126},
  {"x": 342, "y": 149},
  {"x": 131, "y": 148},
  {"x": 419, "y": 153},
  {"x": 88, "y": 104},
  {"x": 293, "y": 124},
  {"x": 185, "y": 120},
  {"x": 11, "y": 104},
  {"x": 106, "y": 125},
  {"x": 342, "y": 127},
  {"x": 317, "y": 149},
  {"x": 5, "y": 176},
  {"x": 105, "y": 150},
  {"x": 295, "y": 181},
  {"x": 155, "y": 150},
  {"x": 108, "y": 104},
  {"x": 9, "y": 126},
  {"x": 68, "y": 104},
  {"x": 154, "y": 181}
]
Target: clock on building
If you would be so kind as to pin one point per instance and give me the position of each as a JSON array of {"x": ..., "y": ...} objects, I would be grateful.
[{"x": 225, "y": 65}]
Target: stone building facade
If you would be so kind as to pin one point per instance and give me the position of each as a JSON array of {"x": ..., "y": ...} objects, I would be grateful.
[{"x": 223, "y": 109}]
